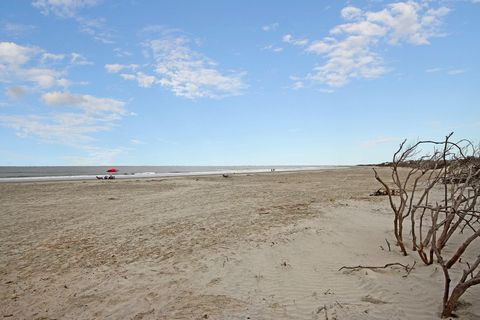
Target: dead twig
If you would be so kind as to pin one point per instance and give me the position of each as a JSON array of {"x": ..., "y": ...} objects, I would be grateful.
[
  {"x": 388, "y": 244},
  {"x": 406, "y": 267},
  {"x": 410, "y": 270}
]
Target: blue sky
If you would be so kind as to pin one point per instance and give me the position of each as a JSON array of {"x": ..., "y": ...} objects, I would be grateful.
[{"x": 103, "y": 82}]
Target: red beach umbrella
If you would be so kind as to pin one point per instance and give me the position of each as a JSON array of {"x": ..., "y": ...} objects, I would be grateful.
[{"x": 112, "y": 170}]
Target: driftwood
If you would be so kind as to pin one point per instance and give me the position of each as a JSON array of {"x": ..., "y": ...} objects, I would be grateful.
[
  {"x": 356, "y": 268},
  {"x": 388, "y": 244},
  {"x": 453, "y": 168}
]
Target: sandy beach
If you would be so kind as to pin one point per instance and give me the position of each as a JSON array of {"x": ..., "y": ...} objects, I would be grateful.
[{"x": 251, "y": 246}]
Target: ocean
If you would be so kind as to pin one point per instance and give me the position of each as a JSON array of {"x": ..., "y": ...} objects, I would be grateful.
[{"x": 15, "y": 174}]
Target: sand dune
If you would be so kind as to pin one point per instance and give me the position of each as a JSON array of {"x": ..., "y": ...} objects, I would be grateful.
[{"x": 263, "y": 246}]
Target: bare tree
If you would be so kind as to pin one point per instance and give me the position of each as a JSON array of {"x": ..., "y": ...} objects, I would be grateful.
[
  {"x": 430, "y": 168},
  {"x": 438, "y": 186}
]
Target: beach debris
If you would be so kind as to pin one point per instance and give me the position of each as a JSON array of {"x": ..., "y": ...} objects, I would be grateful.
[
  {"x": 285, "y": 264},
  {"x": 320, "y": 309},
  {"x": 324, "y": 309},
  {"x": 141, "y": 315},
  {"x": 329, "y": 291},
  {"x": 263, "y": 211},
  {"x": 356, "y": 268},
  {"x": 226, "y": 175},
  {"x": 388, "y": 244},
  {"x": 373, "y": 300},
  {"x": 383, "y": 192},
  {"x": 414, "y": 263}
]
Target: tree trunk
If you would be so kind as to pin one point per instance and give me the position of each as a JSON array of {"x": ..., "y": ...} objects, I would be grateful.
[{"x": 453, "y": 300}]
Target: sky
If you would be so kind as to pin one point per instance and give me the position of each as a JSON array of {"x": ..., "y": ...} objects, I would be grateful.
[{"x": 137, "y": 82}]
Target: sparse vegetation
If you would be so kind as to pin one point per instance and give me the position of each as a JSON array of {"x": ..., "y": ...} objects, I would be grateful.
[{"x": 438, "y": 185}]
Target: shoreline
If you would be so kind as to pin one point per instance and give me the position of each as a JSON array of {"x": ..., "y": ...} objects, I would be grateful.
[{"x": 148, "y": 175}]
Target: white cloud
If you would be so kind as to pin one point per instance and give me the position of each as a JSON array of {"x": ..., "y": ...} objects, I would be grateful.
[
  {"x": 14, "y": 54},
  {"x": 63, "y": 8},
  {"x": 349, "y": 58},
  {"x": 136, "y": 141},
  {"x": 122, "y": 53},
  {"x": 410, "y": 21},
  {"x": 324, "y": 90},
  {"x": 109, "y": 109},
  {"x": 349, "y": 52},
  {"x": 182, "y": 70},
  {"x": 433, "y": 70},
  {"x": 288, "y": 38},
  {"x": 351, "y": 13},
  {"x": 449, "y": 71},
  {"x": 22, "y": 64},
  {"x": 80, "y": 117},
  {"x": 298, "y": 85},
  {"x": 70, "y": 129},
  {"x": 97, "y": 29},
  {"x": 46, "y": 56},
  {"x": 271, "y": 27},
  {"x": 143, "y": 80},
  {"x": 188, "y": 73},
  {"x": 42, "y": 77},
  {"x": 16, "y": 29},
  {"x": 456, "y": 72},
  {"x": 114, "y": 68},
  {"x": 15, "y": 92},
  {"x": 78, "y": 59},
  {"x": 128, "y": 76},
  {"x": 73, "y": 119},
  {"x": 273, "y": 48}
]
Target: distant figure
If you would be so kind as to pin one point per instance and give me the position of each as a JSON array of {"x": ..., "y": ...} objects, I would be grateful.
[{"x": 272, "y": 170}]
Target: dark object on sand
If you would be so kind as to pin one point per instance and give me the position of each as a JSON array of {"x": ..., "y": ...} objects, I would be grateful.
[
  {"x": 383, "y": 192},
  {"x": 225, "y": 175},
  {"x": 110, "y": 177},
  {"x": 454, "y": 180}
]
